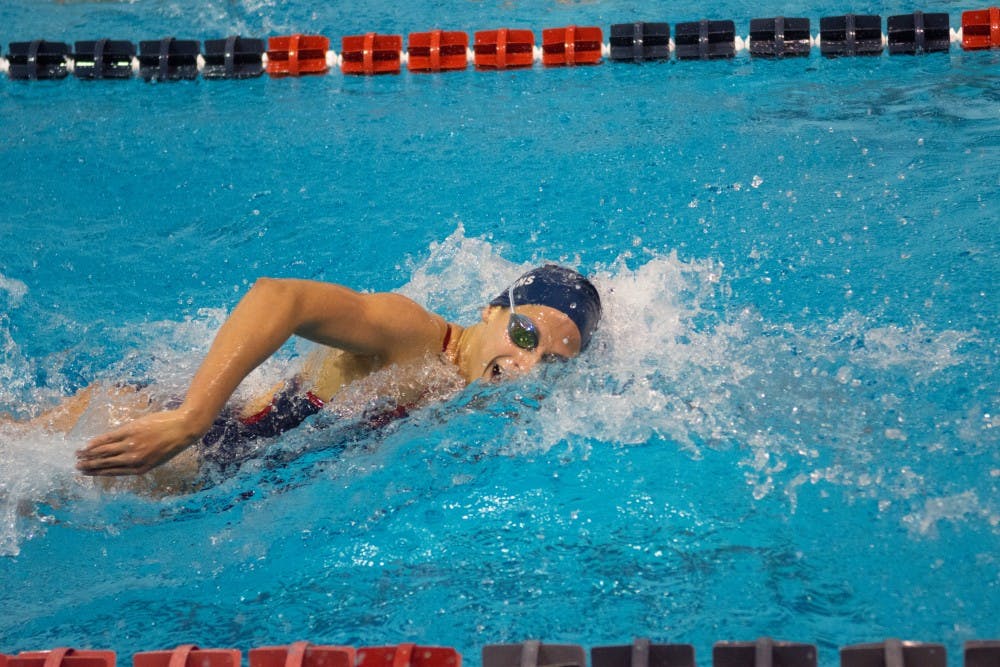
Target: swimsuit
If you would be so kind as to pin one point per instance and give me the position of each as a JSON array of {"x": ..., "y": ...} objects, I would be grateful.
[{"x": 232, "y": 438}]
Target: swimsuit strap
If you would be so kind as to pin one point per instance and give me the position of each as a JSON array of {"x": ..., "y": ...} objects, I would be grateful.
[
  {"x": 447, "y": 337},
  {"x": 290, "y": 392}
]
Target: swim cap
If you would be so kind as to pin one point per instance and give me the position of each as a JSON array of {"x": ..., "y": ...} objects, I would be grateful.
[{"x": 566, "y": 290}]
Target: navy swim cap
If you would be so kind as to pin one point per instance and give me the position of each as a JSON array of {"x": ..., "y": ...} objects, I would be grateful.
[{"x": 566, "y": 290}]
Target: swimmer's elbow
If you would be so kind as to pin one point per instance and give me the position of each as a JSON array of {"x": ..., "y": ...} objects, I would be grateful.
[
  {"x": 271, "y": 288},
  {"x": 277, "y": 294},
  {"x": 264, "y": 284}
]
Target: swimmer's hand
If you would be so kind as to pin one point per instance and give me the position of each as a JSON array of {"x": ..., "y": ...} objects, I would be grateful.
[{"x": 138, "y": 446}]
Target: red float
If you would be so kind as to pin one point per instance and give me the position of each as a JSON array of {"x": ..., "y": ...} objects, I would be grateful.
[
  {"x": 62, "y": 657},
  {"x": 438, "y": 51},
  {"x": 188, "y": 655},
  {"x": 302, "y": 654},
  {"x": 408, "y": 655},
  {"x": 504, "y": 49},
  {"x": 981, "y": 29},
  {"x": 296, "y": 55},
  {"x": 371, "y": 54},
  {"x": 572, "y": 45}
]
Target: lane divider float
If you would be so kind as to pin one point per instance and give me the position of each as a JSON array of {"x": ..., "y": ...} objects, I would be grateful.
[
  {"x": 763, "y": 652},
  {"x": 237, "y": 57}
]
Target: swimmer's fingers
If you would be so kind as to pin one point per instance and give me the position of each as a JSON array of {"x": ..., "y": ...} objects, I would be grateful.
[
  {"x": 109, "y": 438},
  {"x": 113, "y": 472},
  {"x": 110, "y": 467},
  {"x": 103, "y": 446},
  {"x": 112, "y": 454},
  {"x": 137, "y": 447}
]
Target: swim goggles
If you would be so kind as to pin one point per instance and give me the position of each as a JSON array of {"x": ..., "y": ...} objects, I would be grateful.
[{"x": 520, "y": 329}]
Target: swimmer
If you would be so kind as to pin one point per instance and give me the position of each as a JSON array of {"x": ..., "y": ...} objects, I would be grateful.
[{"x": 550, "y": 312}]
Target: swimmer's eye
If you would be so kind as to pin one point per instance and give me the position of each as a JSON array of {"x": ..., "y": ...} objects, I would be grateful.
[{"x": 496, "y": 373}]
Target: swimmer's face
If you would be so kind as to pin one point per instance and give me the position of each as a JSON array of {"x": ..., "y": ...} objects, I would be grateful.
[{"x": 498, "y": 358}]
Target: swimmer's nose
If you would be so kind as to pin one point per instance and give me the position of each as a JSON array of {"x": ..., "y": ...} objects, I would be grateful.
[{"x": 525, "y": 360}]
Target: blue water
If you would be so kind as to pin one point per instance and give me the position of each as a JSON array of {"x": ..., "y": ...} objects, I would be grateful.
[{"x": 787, "y": 425}]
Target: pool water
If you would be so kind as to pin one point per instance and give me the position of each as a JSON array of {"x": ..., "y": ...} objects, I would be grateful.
[{"x": 786, "y": 425}]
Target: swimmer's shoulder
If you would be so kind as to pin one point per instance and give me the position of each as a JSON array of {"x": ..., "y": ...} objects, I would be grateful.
[{"x": 410, "y": 329}]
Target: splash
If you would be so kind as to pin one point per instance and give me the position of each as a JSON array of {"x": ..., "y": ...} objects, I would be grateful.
[
  {"x": 459, "y": 276},
  {"x": 849, "y": 403},
  {"x": 964, "y": 506},
  {"x": 14, "y": 367},
  {"x": 645, "y": 375},
  {"x": 34, "y": 466},
  {"x": 14, "y": 291},
  {"x": 853, "y": 404},
  {"x": 38, "y": 482}
]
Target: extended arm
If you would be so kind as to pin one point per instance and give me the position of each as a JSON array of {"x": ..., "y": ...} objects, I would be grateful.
[{"x": 389, "y": 326}]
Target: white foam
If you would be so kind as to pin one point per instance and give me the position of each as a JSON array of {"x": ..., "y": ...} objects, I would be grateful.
[
  {"x": 916, "y": 348},
  {"x": 15, "y": 289},
  {"x": 15, "y": 369},
  {"x": 955, "y": 508},
  {"x": 36, "y": 467}
]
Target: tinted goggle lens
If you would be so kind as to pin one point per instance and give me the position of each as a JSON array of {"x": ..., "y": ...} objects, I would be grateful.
[{"x": 522, "y": 332}]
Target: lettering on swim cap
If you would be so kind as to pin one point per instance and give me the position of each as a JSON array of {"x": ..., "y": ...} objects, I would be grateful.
[{"x": 558, "y": 287}]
